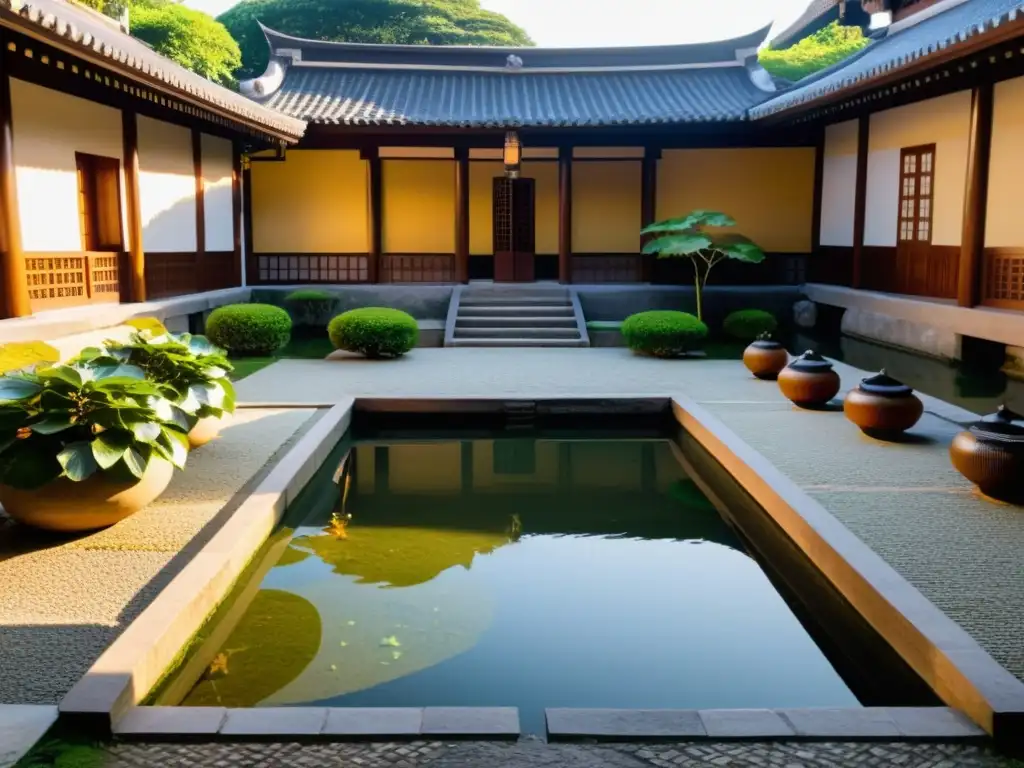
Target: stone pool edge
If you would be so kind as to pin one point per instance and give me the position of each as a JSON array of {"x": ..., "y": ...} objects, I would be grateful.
[
  {"x": 129, "y": 668},
  {"x": 962, "y": 673}
]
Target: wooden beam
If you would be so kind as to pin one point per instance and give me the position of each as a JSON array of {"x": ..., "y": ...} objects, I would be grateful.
[
  {"x": 972, "y": 236},
  {"x": 564, "y": 214},
  {"x": 13, "y": 278},
  {"x": 236, "y": 212},
  {"x": 376, "y": 212},
  {"x": 648, "y": 203},
  {"x": 461, "y": 214},
  {"x": 860, "y": 196},
  {"x": 136, "y": 254},
  {"x": 819, "y": 177},
  {"x": 251, "y": 268},
  {"x": 197, "y": 171}
]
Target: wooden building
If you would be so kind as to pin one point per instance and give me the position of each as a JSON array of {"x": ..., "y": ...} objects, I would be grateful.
[{"x": 119, "y": 170}]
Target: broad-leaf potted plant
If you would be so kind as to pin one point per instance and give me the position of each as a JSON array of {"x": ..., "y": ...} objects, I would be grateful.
[
  {"x": 195, "y": 371},
  {"x": 82, "y": 446},
  {"x": 688, "y": 236}
]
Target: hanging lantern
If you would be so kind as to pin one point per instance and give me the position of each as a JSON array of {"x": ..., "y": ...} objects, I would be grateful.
[{"x": 513, "y": 154}]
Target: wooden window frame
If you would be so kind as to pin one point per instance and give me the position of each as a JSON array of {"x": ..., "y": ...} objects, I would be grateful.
[{"x": 916, "y": 197}]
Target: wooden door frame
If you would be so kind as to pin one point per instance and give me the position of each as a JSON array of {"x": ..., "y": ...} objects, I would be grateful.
[{"x": 908, "y": 248}]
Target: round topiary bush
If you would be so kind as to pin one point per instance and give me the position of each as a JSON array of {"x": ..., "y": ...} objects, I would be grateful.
[
  {"x": 663, "y": 333},
  {"x": 748, "y": 324},
  {"x": 312, "y": 307},
  {"x": 249, "y": 329},
  {"x": 374, "y": 332}
]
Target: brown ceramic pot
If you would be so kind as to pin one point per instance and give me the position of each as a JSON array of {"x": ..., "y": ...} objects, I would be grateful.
[
  {"x": 207, "y": 429},
  {"x": 882, "y": 406},
  {"x": 765, "y": 358},
  {"x": 809, "y": 380},
  {"x": 990, "y": 453},
  {"x": 96, "y": 502}
]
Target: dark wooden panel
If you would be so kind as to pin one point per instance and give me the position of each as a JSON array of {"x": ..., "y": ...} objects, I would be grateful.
[
  {"x": 925, "y": 271},
  {"x": 1003, "y": 278},
  {"x": 831, "y": 264},
  {"x": 606, "y": 268},
  {"x": 180, "y": 273},
  {"x": 277, "y": 268},
  {"x": 418, "y": 268}
]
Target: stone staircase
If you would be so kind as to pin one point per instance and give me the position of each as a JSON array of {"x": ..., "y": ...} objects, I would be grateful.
[{"x": 509, "y": 315}]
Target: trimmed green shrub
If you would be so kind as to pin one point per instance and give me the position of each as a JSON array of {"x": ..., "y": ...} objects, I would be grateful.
[
  {"x": 311, "y": 306},
  {"x": 374, "y": 332},
  {"x": 748, "y": 324},
  {"x": 663, "y": 333},
  {"x": 249, "y": 329}
]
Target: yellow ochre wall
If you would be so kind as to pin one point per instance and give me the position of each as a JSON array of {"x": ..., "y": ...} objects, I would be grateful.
[
  {"x": 545, "y": 176},
  {"x": 1004, "y": 225},
  {"x": 606, "y": 206},
  {"x": 418, "y": 206},
  {"x": 316, "y": 201},
  {"x": 768, "y": 191},
  {"x": 481, "y": 202}
]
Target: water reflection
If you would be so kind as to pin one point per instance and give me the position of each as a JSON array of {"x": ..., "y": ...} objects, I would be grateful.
[{"x": 529, "y": 573}]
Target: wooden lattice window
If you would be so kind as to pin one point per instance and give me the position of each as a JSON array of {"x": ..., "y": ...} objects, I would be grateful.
[
  {"x": 917, "y": 185},
  {"x": 99, "y": 202}
]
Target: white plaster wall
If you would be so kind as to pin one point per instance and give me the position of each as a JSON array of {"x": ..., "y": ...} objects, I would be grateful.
[
  {"x": 217, "y": 156},
  {"x": 1004, "y": 225},
  {"x": 882, "y": 193},
  {"x": 49, "y": 127},
  {"x": 839, "y": 184},
  {"x": 167, "y": 187}
]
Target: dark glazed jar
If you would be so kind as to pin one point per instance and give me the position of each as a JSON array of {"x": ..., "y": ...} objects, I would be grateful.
[
  {"x": 882, "y": 406},
  {"x": 765, "y": 358},
  {"x": 809, "y": 380},
  {"x": 990, "y": 453}
]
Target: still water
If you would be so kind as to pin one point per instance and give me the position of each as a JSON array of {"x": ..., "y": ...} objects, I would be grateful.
[{"x": 515, "y": 572}]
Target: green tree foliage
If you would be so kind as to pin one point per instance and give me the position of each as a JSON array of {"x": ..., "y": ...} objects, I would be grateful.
[
  {"x": 191, "y": 38},
  {"x": 414, "y": 22},
  {"x": 815, "y": 52}
]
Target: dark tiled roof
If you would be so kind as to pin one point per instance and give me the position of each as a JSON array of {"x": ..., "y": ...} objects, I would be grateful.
[
  {"x": 897, "y": 50},
  {"x": 79, "y": 28}
]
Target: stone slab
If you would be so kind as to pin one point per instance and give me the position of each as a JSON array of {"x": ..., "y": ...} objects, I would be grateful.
[
  {"x": 624, "y": 724},
  {"x": 274, "y": 722},
  {"x": 934, "y": 723},
  {"x": 387, "y": 722},
  {"x": 493, "y": 722},
  {"x": 744, "y": 724},
  {"x": 840, "y": 724},
  {"x": 142, "y": 722},
  {"x": 21, "y": 726}
]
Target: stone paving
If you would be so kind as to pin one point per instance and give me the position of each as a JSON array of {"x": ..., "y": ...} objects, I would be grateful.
[
  {"x": 536, "y": 754},
  {"x": 64, "y": 600},
  {"x": 903, "y": 499}
]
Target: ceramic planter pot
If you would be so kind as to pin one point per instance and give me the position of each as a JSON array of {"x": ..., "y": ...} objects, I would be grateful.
[
  {"x": 98, "y": 502},
  {"x": 809, "y": 380},
  {"x": 207, "y": 429},
  {"x": 882, "y": 406},
  {"x": 765, "y": 358},
  {"x": 990, "y": 453}
]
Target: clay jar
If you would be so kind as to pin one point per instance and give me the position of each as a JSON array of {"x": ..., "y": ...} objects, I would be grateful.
[
  {"x": 990, "y": 453},
  {"x": 765, "y": 358},
  {"x": 809, "y": 380},
  {"x": 882, "y": 406}
]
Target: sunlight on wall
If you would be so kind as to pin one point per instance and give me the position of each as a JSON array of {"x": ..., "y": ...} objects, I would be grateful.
[
  {"x": 49, "y": 127},
  {"x": 481, "y": 205},
  {"x": 167, "y": 187},
  {"x": 418, "y": 206},
  {"x": 606, "y": 206},
  {"x": 1004, "y": 224},
  {"x": 217, "y": 203},
  {"x": 839, "y": 184},
  {"x": 545, "y": 176}
]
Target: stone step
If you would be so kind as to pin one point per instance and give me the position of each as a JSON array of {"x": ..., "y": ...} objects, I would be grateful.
[
  {"x": 504, "y": 310},
  {"x": 517, "y": 333},
  {"x": 519, "y": 301},
  {"x": 493, "y": 342},
  {"x": 523, "y": 321}
]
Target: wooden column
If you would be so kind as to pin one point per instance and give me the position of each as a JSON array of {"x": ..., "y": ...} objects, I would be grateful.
[
  {"x": 13, "y": 278},
  {"x": 648, "y": 204},
  {"x": 252, "y": 272},
  {"x": 565, "y": 214},
  {"x": 376, "y": 213},
  {"x": 136, "y": 255},
  {"x": 860, "y": 196},
  {"x": 236, "y": 212},
  {"x": 197, "y": 170},
  {"x": 972, "y": 236},
  {"x": 461, "y": 214},
  {"x": 819, "y": 178}
]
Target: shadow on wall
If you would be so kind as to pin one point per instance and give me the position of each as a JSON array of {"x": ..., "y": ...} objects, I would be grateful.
[{"x": 172, "y": 229}]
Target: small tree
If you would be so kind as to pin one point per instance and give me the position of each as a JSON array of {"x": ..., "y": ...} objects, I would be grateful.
[{"x": 688, "y": 237}]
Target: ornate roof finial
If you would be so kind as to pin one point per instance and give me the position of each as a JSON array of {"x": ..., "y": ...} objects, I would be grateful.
[{"x": 513, "y": 62}]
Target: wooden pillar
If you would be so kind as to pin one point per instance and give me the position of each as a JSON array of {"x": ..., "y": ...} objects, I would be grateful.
[
  {"x": 461, "y": 214},
  {"x": 819, "y": 179},
  {"x": 565, "y": 214},
  {"x": 236, "y": 212},
  {"x": 648, "y": 204},
  {"x": 860, "y": 196},
  {"x": 252, "y": 272},
  {"x": 972, "y": 237},
  {"x": 197, "y": 170},
  {"x": 376, "y": 212},
  {"x": 13, "y": 277},
  {"x": 136, "y": 254}
]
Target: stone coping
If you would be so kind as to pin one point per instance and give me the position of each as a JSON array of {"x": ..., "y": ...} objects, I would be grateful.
[
  {"x": 134, "y": 663},
  {"x": 21, "y": 726},
  {"x": 847, "y": 724},
  {"x": 326, "y": 723},
  {"x": 946, "y": 657}
]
